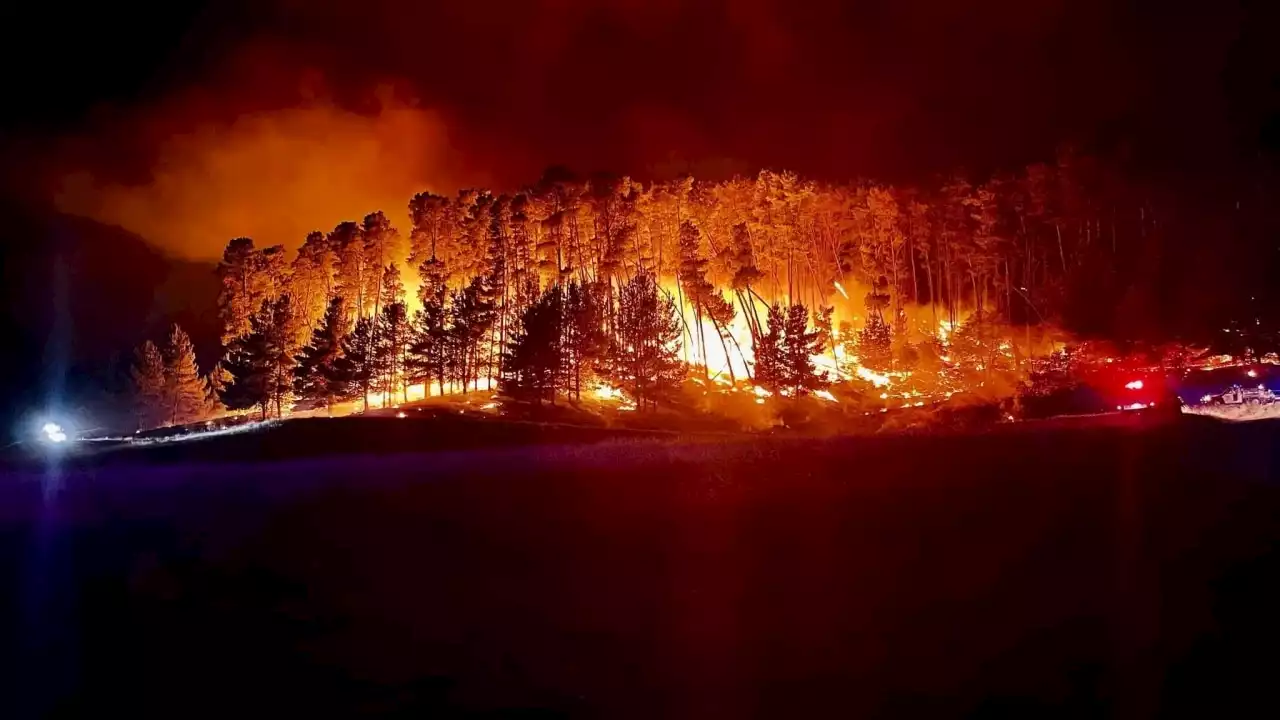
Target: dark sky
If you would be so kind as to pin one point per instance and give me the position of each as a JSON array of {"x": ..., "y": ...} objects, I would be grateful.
[{"x": 201, "y": 113}]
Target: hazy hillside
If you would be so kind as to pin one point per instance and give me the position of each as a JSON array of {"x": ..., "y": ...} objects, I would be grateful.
[{"x": 78, "y": 296}]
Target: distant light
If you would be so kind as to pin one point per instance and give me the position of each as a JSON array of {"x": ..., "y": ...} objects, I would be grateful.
[
  {"x": 54, "y": 433},
  {"x": 1134, "y": 385},
  {"x": 1252, "y": 373},
  {"x": 400, "y": 415}
]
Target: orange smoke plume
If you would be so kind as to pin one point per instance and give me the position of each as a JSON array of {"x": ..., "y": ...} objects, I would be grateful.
[{"x": 273, "y": 176}]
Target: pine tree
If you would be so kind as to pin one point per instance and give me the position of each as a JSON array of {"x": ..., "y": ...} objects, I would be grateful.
[
  {"x": 351, "y": 268},
  {"x": 148, "y": 378},
  {"x": 800, "y": 345},
  {"x": 534, "y": 361},
  {"x": 784, "y": 355},
  {"x": 770, "y": 352},
  {"x": 875, "y": 341},
  {"x": 823, "y": 324},
  {"x": 261, "y": 363},
  {"x": 390, "y": 349},
  {"x": 316, "y": 377},
  {"x": 240, "y": 275},
  {"x": 184, "y": 389},
  {"x": 382, "y": 245},
  {"x": 358, "y": 367},
  {"x": 313, "y": 281},
  {"x": 215, "y": 384},
  {"x": 472, "y": 316},
  {"x": 427, "y": 357},
  {"x": 584, "y": 341},
  {"x": 644, "y": 355}
]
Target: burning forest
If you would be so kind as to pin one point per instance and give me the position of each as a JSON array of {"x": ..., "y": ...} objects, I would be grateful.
[{"x": 747, "y": 298}]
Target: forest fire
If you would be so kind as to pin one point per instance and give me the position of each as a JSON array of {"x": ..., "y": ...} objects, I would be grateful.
[{"x": 625, "y": 295}]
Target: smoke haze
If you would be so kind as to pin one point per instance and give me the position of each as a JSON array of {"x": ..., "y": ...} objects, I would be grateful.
[{"x": 272, "y": 176}]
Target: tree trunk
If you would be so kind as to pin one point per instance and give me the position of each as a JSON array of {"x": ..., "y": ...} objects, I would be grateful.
[
  {"x": 728, "y": 361},
  {"x": 1061, "y": 254}
]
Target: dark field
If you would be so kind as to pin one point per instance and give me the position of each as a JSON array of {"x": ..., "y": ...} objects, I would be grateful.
[{"x": 1040, "y": 571}]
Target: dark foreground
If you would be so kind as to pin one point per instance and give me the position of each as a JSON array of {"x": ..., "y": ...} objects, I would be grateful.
[{"x": 1038, "y": 572}]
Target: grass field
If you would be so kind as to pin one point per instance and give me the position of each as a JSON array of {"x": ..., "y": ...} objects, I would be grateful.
[{"x": 1116, "y": 568}]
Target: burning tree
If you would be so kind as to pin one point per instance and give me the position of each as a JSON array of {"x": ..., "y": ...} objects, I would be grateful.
[
  {"x": 875, "y": 342},
  {"x": 248, "y": 277},
  {"x": 1020, "y": 249}
]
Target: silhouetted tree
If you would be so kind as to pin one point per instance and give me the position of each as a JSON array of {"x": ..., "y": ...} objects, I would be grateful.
[
  {"x": 534, "y": 361},
  {"x": 261, "y": 363},
  {"x": 770, "y": 352},
  {"x": 317, "y": 377},
  {"x": 644, "y": 356},
  {"x": 784, "y": 357},
  {"x": 875, "y": 341},
  {"x": 472, "y": 315},
  {"x": 391, "y": 347},
  {"x": 429, "y": 351},
  {"x": 358, "y": 366},
  {"x": 584, "y": 340},
  {"x": 800, "y": 345}
]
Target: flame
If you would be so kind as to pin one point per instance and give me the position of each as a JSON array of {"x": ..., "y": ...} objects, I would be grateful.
[
  {"x": 841, "y": 289},
  {"x": 875, "y": 378},
  {"x": 604, "y": 391},
  {"x": 825, "y": 395}
]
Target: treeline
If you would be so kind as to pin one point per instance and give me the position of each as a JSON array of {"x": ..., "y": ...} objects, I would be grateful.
[
  {"x": 1038, "y": 247},
  {"x": 557, "y": 345}
]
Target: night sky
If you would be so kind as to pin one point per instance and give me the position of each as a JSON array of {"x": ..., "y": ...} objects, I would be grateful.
[{"x": 269, "y": 118}]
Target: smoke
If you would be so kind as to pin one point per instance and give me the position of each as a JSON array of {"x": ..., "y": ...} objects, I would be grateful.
[{"x": 272, "y": 176}]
